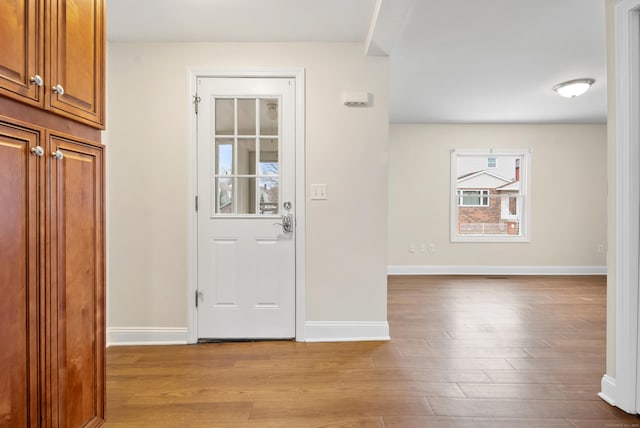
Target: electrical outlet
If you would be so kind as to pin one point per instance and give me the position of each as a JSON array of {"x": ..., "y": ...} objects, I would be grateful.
[
  {"x": 432, "y": 248},
  {"x": 412, "y": 248},
  {"x": 422, "y": 248}
]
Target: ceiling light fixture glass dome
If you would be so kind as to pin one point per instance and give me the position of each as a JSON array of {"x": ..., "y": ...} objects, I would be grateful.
[{"x": 573, "y": 88}]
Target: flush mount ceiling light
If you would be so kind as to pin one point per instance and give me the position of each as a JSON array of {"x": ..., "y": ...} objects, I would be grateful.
[{"x": 573, "y": 88}]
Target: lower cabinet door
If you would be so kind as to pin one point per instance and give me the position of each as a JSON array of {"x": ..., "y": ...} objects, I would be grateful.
[
  {"x": 19, "y": 277},
  {"x": 77, "y": 282}
]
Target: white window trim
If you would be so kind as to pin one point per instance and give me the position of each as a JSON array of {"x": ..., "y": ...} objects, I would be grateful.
[{"x": 525, "y": 180}]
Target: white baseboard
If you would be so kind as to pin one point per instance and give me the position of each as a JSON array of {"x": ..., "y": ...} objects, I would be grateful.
[
  {"x": 495, "y": 270},
  {"x": 345, "y": 331},
  {"x": 122, "y": 336},
  {"x": 315, "y": 331},
  {"x": 608, "y": 389}
]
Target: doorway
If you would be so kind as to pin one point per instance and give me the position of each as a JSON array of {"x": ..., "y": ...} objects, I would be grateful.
[{"x": 249, "y": 226}]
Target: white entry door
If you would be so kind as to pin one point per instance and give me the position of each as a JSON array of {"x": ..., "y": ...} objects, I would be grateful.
[{"x": 246, "y": 208}]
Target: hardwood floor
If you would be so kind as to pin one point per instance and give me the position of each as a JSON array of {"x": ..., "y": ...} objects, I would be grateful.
[{"x": 465, "y": 352}]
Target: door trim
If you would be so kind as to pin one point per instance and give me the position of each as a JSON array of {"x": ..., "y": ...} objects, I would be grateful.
[
  {"x": 298, "y": 74},
  {"x": 622, "y": 388},
  {"x": 627, "y": 94}
]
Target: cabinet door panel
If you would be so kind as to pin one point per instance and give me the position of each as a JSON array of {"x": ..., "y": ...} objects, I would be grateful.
[
  {"x": 78, "y": 283},
  {"x": 18, "y": 277},
  {"x": 77, "y": 59},
  {"x": 21, "y": 49}
]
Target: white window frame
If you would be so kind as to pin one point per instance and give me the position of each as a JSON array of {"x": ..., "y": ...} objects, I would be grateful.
[
  {"x": 495, "y": 162},
  {"x": 525, "y": 189}
]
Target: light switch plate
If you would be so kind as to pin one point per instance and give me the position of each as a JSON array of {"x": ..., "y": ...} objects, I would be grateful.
[{"x": 318, "y": 191}]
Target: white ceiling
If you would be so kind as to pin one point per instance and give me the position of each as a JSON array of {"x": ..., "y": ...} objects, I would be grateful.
[
  {"x": 238, "y": 20},
  {"x": 452, "y": 61}
]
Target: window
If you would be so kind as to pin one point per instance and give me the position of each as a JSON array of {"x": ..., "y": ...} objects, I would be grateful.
[
  {"x": 246, "y": 156},
  {"x": 490, "y": 196},
  {"x": 473, "y": 198}
]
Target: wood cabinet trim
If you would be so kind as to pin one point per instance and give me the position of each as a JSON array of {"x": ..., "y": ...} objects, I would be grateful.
[{"x": 31, "y": 116}]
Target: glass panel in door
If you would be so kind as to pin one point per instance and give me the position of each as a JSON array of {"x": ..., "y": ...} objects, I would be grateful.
[{"x": 246, "y": 156}]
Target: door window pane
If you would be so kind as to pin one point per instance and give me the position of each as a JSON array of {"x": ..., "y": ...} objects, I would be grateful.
[
  {"x": 269, "y": 156},
  {"x": 246, "y": 191},
  {"x": 223, "y": 198},
  {"x": 247, "y": 116},
  {"x": 269, "y": 112},
  {"x": 246, "y": 156},
  {"x": 224, "y": 156},
  {"x": 225, "y": 116},
  {"x": 269, "y": 195}
]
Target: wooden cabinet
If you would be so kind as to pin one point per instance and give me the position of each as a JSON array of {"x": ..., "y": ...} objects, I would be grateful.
[
  {"x": 52, "y": 278},
  {"x": 21, "y": 50},
  {"x": 20, "y": 270},
  {"x": 52, "y": 284},
  {"x": 52, "y": 56},
  {"x": 76, "y": 43},
  {"x": 76, "y": 283}
]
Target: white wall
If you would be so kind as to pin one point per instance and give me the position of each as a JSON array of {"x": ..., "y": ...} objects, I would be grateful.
[
  {"x": 346, "y": 148},
  {"x": 569, "y": 194}
]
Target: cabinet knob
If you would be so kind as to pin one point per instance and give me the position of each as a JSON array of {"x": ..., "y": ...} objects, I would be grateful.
[
  {"x": 57, "y": 154},
  {"x": 58, "y": 89},
  {"x": 37, "y": 80},
  {"x": 37, "y": 150}
]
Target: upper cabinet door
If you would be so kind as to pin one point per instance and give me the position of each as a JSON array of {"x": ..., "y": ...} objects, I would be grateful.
[
  {"x": 75, "y": 76},
  {"x": 21, "y": 50}
]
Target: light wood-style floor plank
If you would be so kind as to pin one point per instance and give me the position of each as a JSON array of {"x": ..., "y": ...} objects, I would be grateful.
[{"x": 474, "y": 352}]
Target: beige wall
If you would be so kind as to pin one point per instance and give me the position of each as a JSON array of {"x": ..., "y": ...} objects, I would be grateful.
[
  {"x": 346, "y": 148},
  {"x": 568, "y": 169}
]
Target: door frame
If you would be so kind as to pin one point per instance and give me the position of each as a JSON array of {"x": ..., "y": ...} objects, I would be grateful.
[
  {"x": 622, "y": 388},
  {"x": 298, "y": 74}
]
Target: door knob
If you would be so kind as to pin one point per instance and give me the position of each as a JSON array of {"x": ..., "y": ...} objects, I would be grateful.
[
  {"x": 58, "y": 89},
  {"x": 57, "y": 154}
]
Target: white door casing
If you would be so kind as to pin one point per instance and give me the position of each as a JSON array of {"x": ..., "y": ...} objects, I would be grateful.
[
  {"x": 246, "y": 278},
  {"x": 622, "y": 389},
  {"x": 627, "y": 96}
]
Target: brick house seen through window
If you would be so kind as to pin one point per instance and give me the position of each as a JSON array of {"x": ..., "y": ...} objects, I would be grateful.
[{"x": 490, "y": 200}]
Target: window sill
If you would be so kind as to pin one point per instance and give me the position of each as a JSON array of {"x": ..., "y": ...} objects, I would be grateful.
[{"x": 501, "y": 239}]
